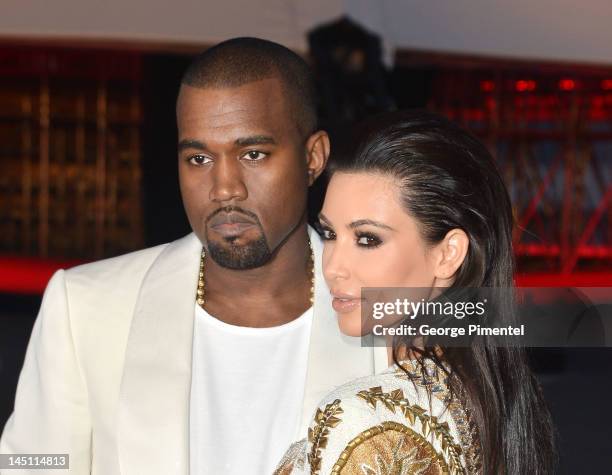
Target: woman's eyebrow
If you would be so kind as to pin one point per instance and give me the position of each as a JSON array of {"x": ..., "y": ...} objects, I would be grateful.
[
  {"x": 371, "y": 222},
  {"x": 359, "y": 222},
  {"x": 323, "y": 218}
]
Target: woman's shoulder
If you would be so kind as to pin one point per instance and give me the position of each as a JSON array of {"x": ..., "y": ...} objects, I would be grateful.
[
  {"x": 393, "y": 379},
  {"x": 397, "y": 418}
]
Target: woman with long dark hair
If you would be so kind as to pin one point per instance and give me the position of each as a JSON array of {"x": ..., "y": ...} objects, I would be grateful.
[{"x": 420, "y": 203}]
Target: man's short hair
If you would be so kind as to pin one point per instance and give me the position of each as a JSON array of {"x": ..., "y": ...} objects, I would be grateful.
[{"x": 240, "y": 61}]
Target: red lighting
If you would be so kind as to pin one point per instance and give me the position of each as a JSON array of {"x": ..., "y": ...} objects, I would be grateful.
[
  {"x": 579, "y": 279},
  {"x": 24, "y": 275},
  {"x": 487, "y": 86},
  {"x": 567, "y": 84},
  {"x": 525, "y": 85},
  {"x": 606, "y": 84}
]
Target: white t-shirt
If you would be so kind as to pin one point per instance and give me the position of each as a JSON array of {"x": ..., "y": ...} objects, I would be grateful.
[{"x": 247, "y": 389}]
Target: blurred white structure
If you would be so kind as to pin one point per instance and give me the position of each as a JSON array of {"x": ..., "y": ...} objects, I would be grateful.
[{"x": 565, "y": 30}]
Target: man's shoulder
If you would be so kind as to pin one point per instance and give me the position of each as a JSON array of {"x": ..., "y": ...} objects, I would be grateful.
[
  {"x": 133, "y": 265},
  {"x": 121, "y": 263}
]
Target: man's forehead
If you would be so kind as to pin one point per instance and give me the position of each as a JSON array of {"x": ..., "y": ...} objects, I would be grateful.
[
  {"x": 257, "y": 107},
  {"x": 263, "y": 94}
]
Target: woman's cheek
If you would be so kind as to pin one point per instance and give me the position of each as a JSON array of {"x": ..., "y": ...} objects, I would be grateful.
[{"x": 378, "y": 268}]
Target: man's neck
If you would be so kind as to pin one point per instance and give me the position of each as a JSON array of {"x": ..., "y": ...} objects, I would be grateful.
[{"x": 269, "y": 295}]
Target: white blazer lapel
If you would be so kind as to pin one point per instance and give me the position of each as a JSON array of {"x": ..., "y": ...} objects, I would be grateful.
[
  {"x": 153, "y": 412},
  {"x": 334, "y": 358}
]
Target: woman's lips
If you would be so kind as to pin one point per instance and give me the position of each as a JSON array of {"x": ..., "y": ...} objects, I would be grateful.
[{"x": 344, "y": 303}]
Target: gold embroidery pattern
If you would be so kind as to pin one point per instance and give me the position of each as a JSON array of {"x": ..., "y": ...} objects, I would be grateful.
[
  {"x": 411, "y": 453},
  {"x": 437, "y": 384},
  {"x": 404, "y": 461},
  {"x": 395, "y": 401},
  {"x": 317, "y": 435},
  {"x": 293, "y": 458}
]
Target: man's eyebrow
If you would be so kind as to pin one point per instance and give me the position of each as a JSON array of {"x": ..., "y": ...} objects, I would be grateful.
[
  {"x": 361, "y": 222},
  {"x": 191, "y": 144},
  {"x": 255, "y": 140}
]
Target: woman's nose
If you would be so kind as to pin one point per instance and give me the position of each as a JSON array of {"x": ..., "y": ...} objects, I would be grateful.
[{"x": 335, "y": 264}]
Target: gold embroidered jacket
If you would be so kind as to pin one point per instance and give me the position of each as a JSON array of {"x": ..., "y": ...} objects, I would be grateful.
[{"x": 399, "y": 422}]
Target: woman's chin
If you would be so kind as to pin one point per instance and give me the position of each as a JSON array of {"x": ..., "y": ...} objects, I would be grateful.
[{"x": 350, "y": 324}]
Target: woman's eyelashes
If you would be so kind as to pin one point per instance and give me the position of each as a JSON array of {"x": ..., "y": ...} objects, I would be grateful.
[
  {"x": 327, "y": 234},
  {"x": 367, "y": 240},
  {"x": 362, "y": 239}
]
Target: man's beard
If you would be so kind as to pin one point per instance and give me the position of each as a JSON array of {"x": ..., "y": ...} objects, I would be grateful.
[
  {"x": 246, "y": 256},
  {"x": 226, "y": 253}
]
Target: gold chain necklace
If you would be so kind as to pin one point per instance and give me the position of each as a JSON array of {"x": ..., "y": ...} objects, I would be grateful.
[{"x": 200, "y": 291}]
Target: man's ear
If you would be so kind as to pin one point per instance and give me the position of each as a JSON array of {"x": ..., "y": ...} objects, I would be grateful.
[
  {"x": 449, "y": 255},
  {"x": 317, "y": 150}
]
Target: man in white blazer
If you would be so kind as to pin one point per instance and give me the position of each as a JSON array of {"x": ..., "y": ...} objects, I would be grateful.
[{"x": 114, "y": 374}]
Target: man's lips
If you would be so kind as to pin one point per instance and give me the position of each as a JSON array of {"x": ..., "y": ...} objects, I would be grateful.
[
  {"x": 231, "y": 229},
  {"x": 230, "y": 224},
  {"x": 229, "y": 218}
]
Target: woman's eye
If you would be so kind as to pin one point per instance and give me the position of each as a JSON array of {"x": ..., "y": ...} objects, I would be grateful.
[
  {"x": 199, "y": 160},
  {"x": 368, "y": 240},
  {"x": 327, "y": 234},
  {"x": 254, "y": 155}
]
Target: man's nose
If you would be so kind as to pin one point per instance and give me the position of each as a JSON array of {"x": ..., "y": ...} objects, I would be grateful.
[{"x": 228, "y": 181}]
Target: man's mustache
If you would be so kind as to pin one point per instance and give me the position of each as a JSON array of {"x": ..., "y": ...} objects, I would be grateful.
[{"x": 233, "y": 210}]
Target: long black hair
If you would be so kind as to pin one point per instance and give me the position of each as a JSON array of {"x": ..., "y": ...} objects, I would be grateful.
[{"x": 449, "y": 180}]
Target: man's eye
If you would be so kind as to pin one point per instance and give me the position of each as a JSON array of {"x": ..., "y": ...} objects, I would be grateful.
[
  {"x": 199, "y": 160},
  {"x": 254, "y": 155}
]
